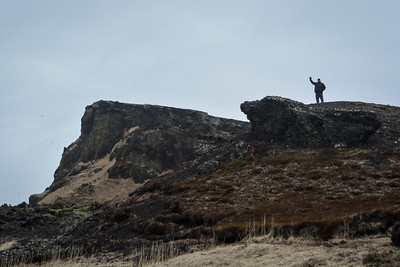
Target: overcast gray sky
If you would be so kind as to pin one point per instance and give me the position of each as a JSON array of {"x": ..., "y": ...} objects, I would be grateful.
[{"x": 56, "y": 57}]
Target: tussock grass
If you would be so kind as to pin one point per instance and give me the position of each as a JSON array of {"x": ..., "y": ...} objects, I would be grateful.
[
  {"x": 157, "y": 253},
  {"x": 265, "y": 244},
  {"x": 266, "y": 250},
  {"x": 56, "y": 254}
]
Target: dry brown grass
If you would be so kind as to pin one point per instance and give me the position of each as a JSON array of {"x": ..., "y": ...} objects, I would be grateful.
[
  {"x": 270, "y": 251},
  {"x": 158, "y": 253},
  {"x": 266, "y": 248},
  {"x": 295, "y": 186}
]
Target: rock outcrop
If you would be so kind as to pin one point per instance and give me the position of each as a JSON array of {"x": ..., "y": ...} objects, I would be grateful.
[
  {"x": 123, "y": 145},
  {"x": 166, "y": 174},
  {"x": 120, "y": 141},
  {"x": 288, "y": 123}
]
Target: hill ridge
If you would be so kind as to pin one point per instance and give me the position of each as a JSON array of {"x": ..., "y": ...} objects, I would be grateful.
[{"x": 173, "y": 175}]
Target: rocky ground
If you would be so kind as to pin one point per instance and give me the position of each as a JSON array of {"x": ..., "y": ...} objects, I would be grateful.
[{"x": 234, "y": 183}]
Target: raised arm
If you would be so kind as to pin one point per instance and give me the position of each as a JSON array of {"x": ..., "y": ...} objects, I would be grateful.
[{"x": 312, "y": 81}]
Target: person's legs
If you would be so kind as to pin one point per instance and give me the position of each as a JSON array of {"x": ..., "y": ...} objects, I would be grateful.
[{"x": 319, "y": 96}]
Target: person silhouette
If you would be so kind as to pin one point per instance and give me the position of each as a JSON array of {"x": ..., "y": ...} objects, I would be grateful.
[{"x": 318, "y": 89}]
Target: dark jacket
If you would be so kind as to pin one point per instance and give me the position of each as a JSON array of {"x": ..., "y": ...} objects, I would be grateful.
[{"x": 319, "y": 87}]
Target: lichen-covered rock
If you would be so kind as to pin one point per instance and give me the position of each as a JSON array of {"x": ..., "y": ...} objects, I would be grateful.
[
  {"x": 289, "y": 123},
  {"x": 208, "y": 166}
]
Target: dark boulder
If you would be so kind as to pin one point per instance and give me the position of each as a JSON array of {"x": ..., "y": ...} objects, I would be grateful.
[{"x": 289, "y": 123}]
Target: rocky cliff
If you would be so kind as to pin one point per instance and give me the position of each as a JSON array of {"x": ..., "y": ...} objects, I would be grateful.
[
  {"x": 122, "y": 145},
  {"x": 140, "y": 174}
]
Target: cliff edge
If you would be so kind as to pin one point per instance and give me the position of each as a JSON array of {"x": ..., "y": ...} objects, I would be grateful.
[
  {"x": 122, "y": 145},
  {"x": 289, "y": 123}
]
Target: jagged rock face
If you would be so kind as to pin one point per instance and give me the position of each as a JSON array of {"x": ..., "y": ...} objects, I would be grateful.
[
  {"x": 144, "y": 139},
  {"x": 136, "y": 141},
  {"x": 292, "y": 124}
]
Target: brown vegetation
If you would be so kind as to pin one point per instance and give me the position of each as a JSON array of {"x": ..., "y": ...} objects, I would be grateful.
[{"x": 291, "y": 187}]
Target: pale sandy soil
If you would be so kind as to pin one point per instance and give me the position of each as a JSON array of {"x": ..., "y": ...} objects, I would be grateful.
[
  {"x": 267, "y": 251},
  {"x": 92, "y": 185}
]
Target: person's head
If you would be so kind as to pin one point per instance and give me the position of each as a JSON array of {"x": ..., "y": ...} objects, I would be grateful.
[{"x": 319, "y": 80}]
